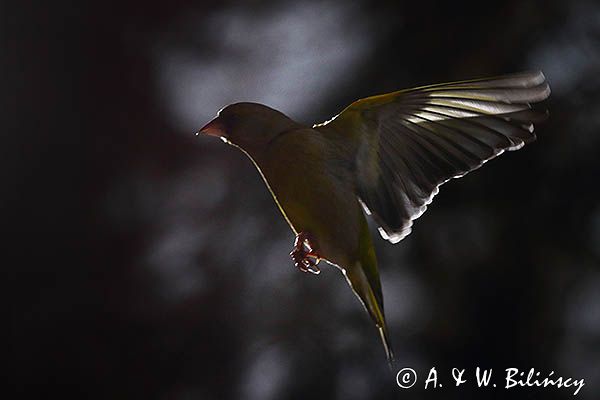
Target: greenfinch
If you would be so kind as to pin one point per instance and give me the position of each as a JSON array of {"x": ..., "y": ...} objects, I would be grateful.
[{"x": 385, "y": 156}]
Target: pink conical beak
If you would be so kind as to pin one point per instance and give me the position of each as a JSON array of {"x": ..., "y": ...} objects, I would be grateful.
[{"x": 213, "y": 128}]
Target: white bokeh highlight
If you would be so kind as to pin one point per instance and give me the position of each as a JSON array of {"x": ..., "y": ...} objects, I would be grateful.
[{"x": 290, "y": 58}]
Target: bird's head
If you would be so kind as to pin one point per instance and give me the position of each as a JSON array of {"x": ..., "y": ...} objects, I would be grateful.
[{"x": 250, "y": 126}]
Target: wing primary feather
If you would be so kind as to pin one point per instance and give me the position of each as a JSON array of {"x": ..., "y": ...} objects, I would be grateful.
[{"x": 428, "y": 135}]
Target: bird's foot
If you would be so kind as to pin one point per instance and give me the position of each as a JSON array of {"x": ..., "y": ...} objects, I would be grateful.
[{"x": 304, "y": 254}]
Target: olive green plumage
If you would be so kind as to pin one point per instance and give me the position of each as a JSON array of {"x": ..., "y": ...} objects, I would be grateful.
[{"x": 387, "y": 154}]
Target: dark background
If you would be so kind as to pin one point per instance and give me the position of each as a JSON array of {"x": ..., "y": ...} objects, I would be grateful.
[{"x": 145, "y": 262}]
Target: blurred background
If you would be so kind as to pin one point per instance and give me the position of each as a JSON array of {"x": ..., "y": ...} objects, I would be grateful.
[{"x": 145, "y": 262}]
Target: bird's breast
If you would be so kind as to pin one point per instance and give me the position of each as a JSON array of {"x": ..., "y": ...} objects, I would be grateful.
[{"x": 313, "y": 193}]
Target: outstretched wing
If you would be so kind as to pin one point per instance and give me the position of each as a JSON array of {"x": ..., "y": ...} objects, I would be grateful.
[{"x": 412, "y": 141}]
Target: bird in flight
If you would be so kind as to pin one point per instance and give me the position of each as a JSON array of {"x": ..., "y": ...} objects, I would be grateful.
[{"x": 385, "y": 156}]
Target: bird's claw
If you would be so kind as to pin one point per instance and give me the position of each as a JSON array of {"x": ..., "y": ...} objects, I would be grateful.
[
  {"x": 308, "y": 264},
  {"x": 303, "y": 254}
]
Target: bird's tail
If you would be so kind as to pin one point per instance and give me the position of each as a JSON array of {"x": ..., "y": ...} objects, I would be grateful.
[
  {"x": 363, "y": 277},
  {"x": 375, "y": 310},
  {"x": 373, "y": 303},
  {"x": 387, "y": 345}
]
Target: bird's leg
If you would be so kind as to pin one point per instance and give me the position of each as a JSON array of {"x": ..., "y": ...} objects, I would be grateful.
[{"x": 304, "y": 253}]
